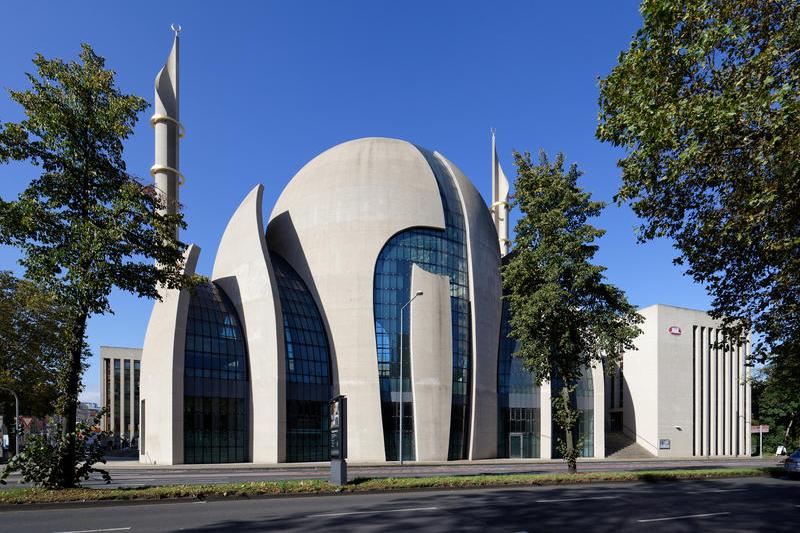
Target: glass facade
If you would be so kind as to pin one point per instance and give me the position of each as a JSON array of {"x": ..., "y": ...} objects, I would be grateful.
[
  {"x": 519, "y": 410},
  {"x": 216, "y": 381},
  {"x": 442, "y": 253},
  {"x": 583, "y": 399},
  {"x": 308, "y": 368},
  {"x": 137, "y": 367}
]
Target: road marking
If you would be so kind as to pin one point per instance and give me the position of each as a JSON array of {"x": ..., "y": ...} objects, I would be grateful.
[
  {"x": 579, "y": 499},
  {"x": 681, "y": 517},
  {"x": 373, "y": 512},
  {"x": 97, "y": 530},
  {"x": 713, "y": 491}
]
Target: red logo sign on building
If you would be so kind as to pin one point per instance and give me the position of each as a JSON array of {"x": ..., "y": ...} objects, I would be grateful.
[{"x": 675, "y": 330}]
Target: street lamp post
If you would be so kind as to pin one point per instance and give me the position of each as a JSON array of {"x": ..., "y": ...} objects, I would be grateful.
[
  {"x": 402, "y": 393},
  {"x": 16, "y": 419}
]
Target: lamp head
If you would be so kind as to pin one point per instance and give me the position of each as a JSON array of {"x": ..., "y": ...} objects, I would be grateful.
[{"x": 418, "y": 293}]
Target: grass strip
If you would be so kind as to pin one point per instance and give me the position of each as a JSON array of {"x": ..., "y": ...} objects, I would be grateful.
[{"x": 16, "y": 496}]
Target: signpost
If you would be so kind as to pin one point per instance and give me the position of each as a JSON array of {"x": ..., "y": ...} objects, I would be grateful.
[
  {"x": 760, "y": 430},
  {"x": 337, "y": 409}
]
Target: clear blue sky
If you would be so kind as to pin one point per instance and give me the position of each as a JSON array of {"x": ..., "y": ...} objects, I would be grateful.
[{"x": 266, "y": 86}]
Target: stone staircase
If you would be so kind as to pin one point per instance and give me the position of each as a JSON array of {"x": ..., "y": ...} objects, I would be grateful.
[{"x": 621, "y": 446}]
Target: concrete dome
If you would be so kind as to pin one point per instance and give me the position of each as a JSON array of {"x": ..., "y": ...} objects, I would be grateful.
[{"x": 330, "y": 224}]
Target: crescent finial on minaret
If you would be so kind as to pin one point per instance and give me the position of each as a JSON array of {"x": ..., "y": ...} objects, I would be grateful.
[{"x": 168, "y": 129}]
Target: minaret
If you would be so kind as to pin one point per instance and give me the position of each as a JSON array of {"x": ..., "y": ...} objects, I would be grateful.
[
  {"x": 499, "y": 200},
  {"x": 168, "y": 131}
]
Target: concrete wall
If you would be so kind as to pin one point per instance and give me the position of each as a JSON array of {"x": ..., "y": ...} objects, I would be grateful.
[
  {"x": 330, "y": 223},
  {"x": 686, "y": 385},
  {"x": 162, "y": 374},
  {"x": 431, "y": 357},
  {"x": 675, "y": 379},
  {"x": 640, "y": 371},
  {"x": 243, "y": 270}
]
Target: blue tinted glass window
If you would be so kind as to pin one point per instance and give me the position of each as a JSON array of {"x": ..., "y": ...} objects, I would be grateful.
[
  {"x": 439, "y": 252},
  {"x": 518, "y": 399},
  {"x": 216, "y": 382},
  {"x": 308, "y": 369}
]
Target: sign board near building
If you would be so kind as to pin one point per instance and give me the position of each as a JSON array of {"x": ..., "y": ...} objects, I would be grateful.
[
  {"x": 664, "y": 444},
  {"x": 675, "y": 330},
  {"x": 759, "y": 429}
]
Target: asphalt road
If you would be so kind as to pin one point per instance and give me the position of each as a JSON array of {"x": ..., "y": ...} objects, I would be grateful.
[
  {"x": 747, "y": 504},
  {"x": 130, "y": 474}
]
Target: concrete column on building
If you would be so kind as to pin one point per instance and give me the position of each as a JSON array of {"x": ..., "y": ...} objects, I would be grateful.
[
  {"x": 730, "y": 422},
  {"x": 720, "y": 357},
  {"x": 162, "y": 372},
  {"x": 740, "y": 390},
  {"x": 243, "y": 270},
  {"x": 698, "y": 391},
  {"x": 431, "y": 358},
  {"x": 713, "y": 400},
  {"x": 706, "y": 391},
  {"x": 598, "y": 387},
  {"x": 747, "y": 401},
  {"x": 546, "y": 427}
]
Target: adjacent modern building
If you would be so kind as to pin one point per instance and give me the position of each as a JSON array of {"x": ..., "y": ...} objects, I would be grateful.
[
  {"x": 686, "y": 390},
  {"x": 376, "y": 276},
  {"x": 120, "y": 372}
]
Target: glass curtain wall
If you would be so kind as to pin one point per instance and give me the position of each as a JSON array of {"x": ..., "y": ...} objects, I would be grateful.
[
  {"x": 438, "y": 252},
  {"x": 583, "y": 399},
  {"x": 308, "y": 368},
  {"x": 519, "y": 409},
  {"x": 216, "y": 381}
]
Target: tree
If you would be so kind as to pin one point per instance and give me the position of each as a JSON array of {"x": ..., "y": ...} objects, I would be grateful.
[
  {"x": 31, "y": 325},
  {"x": 84, "y": 225},
  {"x": 706, "y": 103},
  {"x": 564, "y": 314},
  {"x": 776, "y": 404}
]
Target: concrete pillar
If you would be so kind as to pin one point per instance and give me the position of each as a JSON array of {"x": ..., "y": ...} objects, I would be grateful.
[
  {"x": 698, "y": 391},
  {"x": 719, "y": 356},
  {"x": 431, "y": 355},
  {"x": 546, "y": 427},
  {"x": 706, "y": 391},
  {"x": 747, "y": 400},
  {"x": 713, "y": 403}
]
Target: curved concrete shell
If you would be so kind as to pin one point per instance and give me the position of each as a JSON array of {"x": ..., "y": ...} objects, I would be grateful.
[
  {"x": 485, "y": 293},
  {"x": 243, "y": 270},
  {"x": 161, "y": 422},
  {"x": 330, "y": 224}
]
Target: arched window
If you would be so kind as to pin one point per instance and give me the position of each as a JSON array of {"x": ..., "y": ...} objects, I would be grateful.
[
  {"x": 439, "y": 252},
  {"x": 308, "y": 368},
  {"x": 216, "y": 384}
]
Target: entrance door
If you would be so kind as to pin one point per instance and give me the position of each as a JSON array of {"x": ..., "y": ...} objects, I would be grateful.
[{"x": 515, "y": 445}]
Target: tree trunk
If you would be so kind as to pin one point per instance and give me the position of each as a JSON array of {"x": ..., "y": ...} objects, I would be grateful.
[
  {"x": 70, "y": 404},
  {"x": 568, "y": 437}
]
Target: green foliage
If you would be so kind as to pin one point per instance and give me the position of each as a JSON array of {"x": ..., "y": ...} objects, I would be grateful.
[
  {"x": 563, "y": 312},
  {"x": 40, "y": 462},
  {"x": 84, "y": 225},
  {"x": 777, "y": 404},
  {"x": 31, "y": 328},
  {"x": 706, "y": 103}
]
